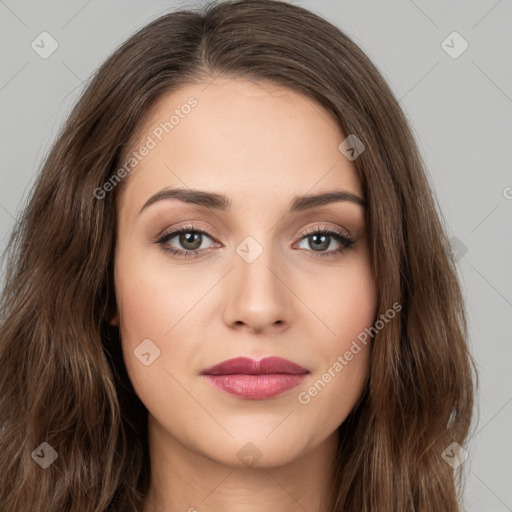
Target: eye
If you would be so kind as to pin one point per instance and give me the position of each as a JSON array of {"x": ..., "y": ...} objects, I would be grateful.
[
  {"x": 191, "y": 239},
  {"x": 320, "y": 238}
]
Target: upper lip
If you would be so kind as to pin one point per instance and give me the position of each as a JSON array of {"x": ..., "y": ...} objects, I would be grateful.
[{"x": 248, "y": 366}]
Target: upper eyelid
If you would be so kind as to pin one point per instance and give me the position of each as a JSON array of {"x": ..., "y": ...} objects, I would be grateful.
[{"x": 190, "y": 227}]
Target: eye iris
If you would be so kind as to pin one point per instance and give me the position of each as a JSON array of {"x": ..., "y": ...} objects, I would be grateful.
[
  {"x": 190, "y": 238},
  {"x": 323, "y": 244}
]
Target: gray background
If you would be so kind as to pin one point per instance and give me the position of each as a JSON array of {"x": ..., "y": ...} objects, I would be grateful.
[{"x": 460, "y": 109}]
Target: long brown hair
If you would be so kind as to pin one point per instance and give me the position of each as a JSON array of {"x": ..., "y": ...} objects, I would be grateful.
[{"x": 63, "y": 380}]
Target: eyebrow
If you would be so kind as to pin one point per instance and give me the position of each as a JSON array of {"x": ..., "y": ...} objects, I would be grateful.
[{"x": 223, "y": 203}]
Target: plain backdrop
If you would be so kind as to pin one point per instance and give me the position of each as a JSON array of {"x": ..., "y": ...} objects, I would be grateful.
[{"x": 456, "y": 90}]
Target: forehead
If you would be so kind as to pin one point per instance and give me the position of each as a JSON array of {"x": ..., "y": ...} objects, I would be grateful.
[{"x": 247, "y": 140}]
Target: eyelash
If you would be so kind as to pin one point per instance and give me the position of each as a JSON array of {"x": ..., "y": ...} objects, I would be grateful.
[{"x": 346, "y": 243}]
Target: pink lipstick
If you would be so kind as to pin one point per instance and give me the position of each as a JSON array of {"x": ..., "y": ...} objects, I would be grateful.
[{"x": 255, "y": 379}]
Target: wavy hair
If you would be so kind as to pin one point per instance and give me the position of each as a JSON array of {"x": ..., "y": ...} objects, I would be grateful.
[{"x": 63, "y": 380}]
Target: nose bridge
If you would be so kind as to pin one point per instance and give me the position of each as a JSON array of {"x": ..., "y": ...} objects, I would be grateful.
[
  {"x": 255, "y": 265},
  {"x": 256, "y": 294}
]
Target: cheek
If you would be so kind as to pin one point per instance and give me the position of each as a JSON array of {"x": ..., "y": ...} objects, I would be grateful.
[
  {"x": 145, "y": 313},
  {"x": 344, "y": 303},
  {"x": 150, "y": 299},
  {"x": 160, "y": 305},
  {"x": 143, "y": 310},
  {"x": 343, "y": 363},
  {"x": 347, "y": 308}
]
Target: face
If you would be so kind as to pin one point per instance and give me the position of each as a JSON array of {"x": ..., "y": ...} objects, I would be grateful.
[{"x": 251, "y": 275}]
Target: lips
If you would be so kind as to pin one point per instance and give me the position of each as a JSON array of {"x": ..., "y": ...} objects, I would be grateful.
[
  {"x": 255, "y": 379},
  {"x": 248, "y": 366}
]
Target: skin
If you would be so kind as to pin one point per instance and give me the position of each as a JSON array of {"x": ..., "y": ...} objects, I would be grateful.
[{"x": 260, "y": 145}]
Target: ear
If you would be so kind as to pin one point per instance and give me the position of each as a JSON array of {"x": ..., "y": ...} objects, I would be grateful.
[{"x": 115, "y": 320}]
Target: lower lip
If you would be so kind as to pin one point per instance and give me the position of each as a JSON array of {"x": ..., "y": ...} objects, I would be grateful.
[{"x": 256, "y": 387}]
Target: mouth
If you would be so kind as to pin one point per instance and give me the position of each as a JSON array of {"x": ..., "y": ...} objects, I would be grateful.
[{"x": 255, "y": 379}]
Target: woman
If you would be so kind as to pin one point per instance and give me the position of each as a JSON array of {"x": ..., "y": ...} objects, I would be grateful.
[{"x": 231, "y": 288}]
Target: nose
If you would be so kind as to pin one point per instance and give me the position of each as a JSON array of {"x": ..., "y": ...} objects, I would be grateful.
[{"x": 257, "y": 296}]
